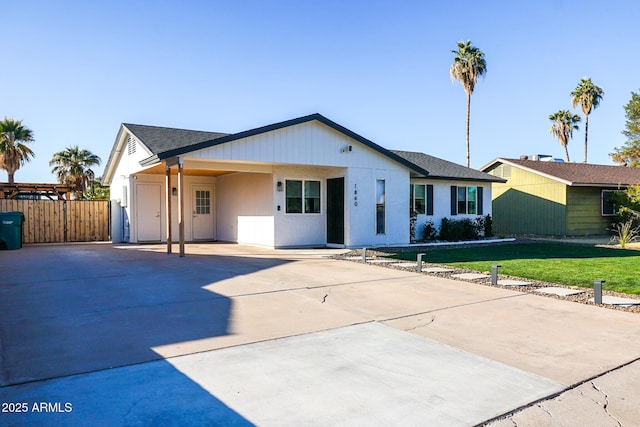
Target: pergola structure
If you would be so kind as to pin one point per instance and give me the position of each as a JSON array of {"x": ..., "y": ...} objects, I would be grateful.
[{"x": 51, "y": 191}]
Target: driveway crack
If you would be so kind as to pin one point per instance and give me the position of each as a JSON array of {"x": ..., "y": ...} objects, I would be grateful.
[
  {"x": 541, "y": 406},
  {"x": 606, "y": 403},
  {"x": 421, "y": 325}
]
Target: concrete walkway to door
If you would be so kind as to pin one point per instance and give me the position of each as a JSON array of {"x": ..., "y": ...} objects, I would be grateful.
[{"x": 237, "y": 335}]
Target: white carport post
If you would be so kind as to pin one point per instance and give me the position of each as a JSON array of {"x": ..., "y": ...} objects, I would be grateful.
[
  {"x": 181, "y": 203},
  {"x": 168, "y": 197}
]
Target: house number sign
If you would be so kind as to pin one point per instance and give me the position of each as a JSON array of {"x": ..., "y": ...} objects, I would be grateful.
[{"x": 355, "y": 194}]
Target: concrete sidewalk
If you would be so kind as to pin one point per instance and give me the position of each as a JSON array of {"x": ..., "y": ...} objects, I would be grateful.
[{"x": 246, "y": 335}]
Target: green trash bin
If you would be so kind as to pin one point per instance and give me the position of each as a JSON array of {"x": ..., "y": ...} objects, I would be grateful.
[{"x": 11, "y": 230}]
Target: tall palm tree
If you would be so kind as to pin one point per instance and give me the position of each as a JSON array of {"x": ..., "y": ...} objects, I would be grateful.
[
  {"x": 468, "y": 65},
  {"x": 564, "y": 123},
  {"x": 13, "y": 149},
  {"x": 73, "y": 168},
  {"x": 588, "y": 96}
]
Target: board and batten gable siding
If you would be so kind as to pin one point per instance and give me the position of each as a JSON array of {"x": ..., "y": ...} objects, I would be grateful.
[
  {"x": 310, "y": 143},
  {"x": 584, "y": 215},
  {"x": 529, "y": 203}
]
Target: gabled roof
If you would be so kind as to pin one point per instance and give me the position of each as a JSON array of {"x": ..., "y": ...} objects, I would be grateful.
[
  {"x": 224, "y": 138},
  {"x": 576, "y": 174},
  {"x": 444, "y": 169}
]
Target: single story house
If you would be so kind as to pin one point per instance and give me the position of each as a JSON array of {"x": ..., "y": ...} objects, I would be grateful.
[
  {"x": 555, "y": 198},
  {"x": 302, "y": 182}
]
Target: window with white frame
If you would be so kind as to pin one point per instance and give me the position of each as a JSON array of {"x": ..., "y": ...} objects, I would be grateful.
[
  {"x": 203, "y": 202},
  {"x": 302, "y": 196},
  {"x": 607, "y": 202}
]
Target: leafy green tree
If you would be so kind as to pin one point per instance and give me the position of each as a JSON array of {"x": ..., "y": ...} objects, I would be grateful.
[
  {"x": 97, "y": 192},
  {"x": 627, "y": 203},
  {"x": 13, "y": 149},
  {"x": 468, "y": 64},
  {"x": 626, "y": 227},
  {"x": 588, "y": 96},
  {"x": 73, "y": 168},
  {"x": 629, "y": 153},
  {"x": 564, "y": 123}
]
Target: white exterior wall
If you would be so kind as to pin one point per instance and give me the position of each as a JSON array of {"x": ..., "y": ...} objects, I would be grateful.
[
  {"x": 301, "y": 229},
  {"x": 122, "y": 184},
  {"x": 361, "y": 219},
  {"x": 442, "y": 202},
  {"x": 245, "y": 208}
]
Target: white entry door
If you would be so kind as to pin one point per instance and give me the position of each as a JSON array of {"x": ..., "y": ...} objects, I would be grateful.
[
  {"x": 203, "y": 225},
  {"x": 148, "y": 196}
]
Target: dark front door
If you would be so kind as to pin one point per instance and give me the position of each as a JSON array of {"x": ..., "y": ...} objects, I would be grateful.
[{"x": 335, "y": 211}]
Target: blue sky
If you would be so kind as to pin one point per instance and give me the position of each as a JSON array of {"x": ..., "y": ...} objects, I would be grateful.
[{"x": 74, "y": 70}]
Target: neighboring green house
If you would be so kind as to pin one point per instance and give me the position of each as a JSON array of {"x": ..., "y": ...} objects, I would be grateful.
[{"x": 553, "y": 198}]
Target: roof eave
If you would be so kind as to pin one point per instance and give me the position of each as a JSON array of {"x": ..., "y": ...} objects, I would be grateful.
[
  {"x": 467, "y": 179},
  {"x": 601, "y": 184},
  {"x": 537, "y": 172},
  {"x": 116, "y": 151},
  {"x": 149, "y": 161}
]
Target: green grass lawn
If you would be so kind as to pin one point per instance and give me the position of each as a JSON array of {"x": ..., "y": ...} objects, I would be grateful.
[{"x": 564, "y": 264}]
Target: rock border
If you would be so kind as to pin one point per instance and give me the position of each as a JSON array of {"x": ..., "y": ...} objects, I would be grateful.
[{"x": 583, "y": 298}]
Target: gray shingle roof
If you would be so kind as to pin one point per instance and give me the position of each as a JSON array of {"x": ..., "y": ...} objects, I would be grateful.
[
  {"x": 161, "y": 139},
  {"x": 166, "y": 142},
  {"x": 444, "y": 169}
]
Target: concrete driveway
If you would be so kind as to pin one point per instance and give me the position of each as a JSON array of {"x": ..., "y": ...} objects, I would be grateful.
[{"x": 237, "y": 335}]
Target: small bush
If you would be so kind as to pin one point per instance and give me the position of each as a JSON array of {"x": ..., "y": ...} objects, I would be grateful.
[
  {"x": 429, "y": 231},
  {"x": 488, "y": 226},
  {"x": 453, "y": 230},
  {"x": 626, "y": 232},
  {"x": 479, "y": 225}
]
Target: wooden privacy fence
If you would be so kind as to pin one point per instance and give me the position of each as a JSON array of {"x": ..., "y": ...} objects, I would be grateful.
[{"x": 61, "y": 221}]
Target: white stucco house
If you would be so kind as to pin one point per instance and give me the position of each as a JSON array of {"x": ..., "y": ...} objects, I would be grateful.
[{"x": 301, "y": 182}]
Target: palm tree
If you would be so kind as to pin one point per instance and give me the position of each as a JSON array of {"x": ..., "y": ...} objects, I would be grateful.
[
  {"x": 73, "y": 168},
  {"x": 13, "y": 150},
  {"x": 564, "y": 123},
  {"x": 588, "y": 96},
  {"x": 467, "y": 66}
]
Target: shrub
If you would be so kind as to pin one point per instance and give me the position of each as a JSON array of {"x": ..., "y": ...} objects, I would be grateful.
[
  {"x": 488, "y": 226},
  {"x": 626, "y": 232},
  {"x": 479, "y": 225},
  {"x": 429, "y": 231},
  {"x": 454, "y": 230}
]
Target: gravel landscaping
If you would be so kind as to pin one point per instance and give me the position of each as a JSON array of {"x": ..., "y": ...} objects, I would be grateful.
[{"x": 374, "y": 256}]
